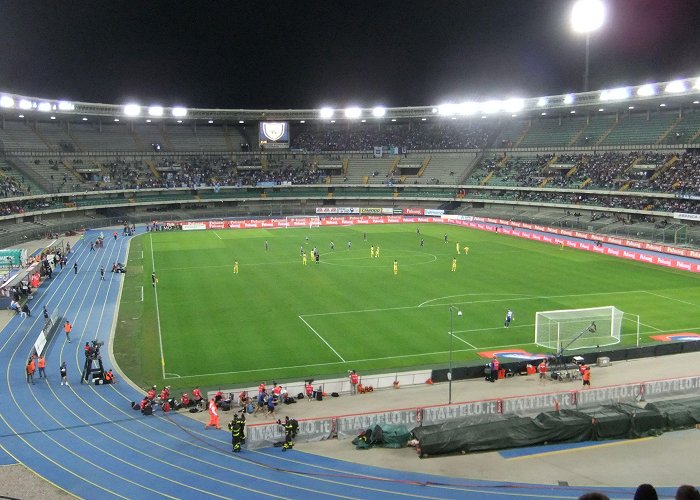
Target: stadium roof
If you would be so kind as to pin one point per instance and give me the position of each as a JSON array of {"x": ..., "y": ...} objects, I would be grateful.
[{"x": 648, "y": 97}]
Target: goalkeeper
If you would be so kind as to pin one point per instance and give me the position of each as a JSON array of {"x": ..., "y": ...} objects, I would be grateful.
[{"x": 509, "y": 318}]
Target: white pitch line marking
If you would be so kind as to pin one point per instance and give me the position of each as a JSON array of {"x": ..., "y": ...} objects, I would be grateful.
[{"x": 322, "y": 339}]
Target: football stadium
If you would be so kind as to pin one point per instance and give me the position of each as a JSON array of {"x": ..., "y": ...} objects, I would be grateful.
[{"x": 493, "y": 297}]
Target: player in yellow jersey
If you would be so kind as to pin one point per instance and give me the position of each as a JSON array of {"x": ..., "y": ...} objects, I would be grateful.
[
  {"x": 376, "y": 252},
  {"x": 396, "y": 267},
  {"x": 561, "y": 246},
  {"x": 371, "y": 252},
  {"x": 466, "y": 250},
  {"x": 235, "y": 267},
  {"x": 454, "y": 264},
  {"x": 303, "y": 258},
  {"x": 458, "y": 248}
]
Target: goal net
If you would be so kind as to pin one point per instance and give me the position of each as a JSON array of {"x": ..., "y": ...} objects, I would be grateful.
[
  {"x": 578, "y": 328},
  {"x": 302, "y": 221}
]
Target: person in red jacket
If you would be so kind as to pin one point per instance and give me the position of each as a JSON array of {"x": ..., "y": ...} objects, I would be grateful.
[
  {"x": 197, "y": 397},
  {"x": 31, "y": 368},
  {"x": 354, "y": 380},
  {"x": 41, "y": 362},
  {"x": 495, "y": 366},
  {"x": 213, "y": 415}
]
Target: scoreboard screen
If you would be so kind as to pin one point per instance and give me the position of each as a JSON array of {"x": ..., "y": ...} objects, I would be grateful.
[{"x": 274, "y": 135}]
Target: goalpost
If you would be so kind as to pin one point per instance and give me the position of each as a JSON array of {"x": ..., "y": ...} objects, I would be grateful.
[
  {"x": 302, "y": 221},
  {"x": 571, "y": 329}
]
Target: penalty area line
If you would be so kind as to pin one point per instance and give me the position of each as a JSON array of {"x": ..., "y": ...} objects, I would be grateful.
[{"x": 322, "y": 339}]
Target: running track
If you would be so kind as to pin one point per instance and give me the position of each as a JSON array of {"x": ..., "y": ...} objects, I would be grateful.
[{"x": 86, "y": 439}]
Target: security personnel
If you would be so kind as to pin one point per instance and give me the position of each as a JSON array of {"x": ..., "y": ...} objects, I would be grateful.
[
  {"x": 290, "y": 432},
  {"x": 237, "y": 437}
]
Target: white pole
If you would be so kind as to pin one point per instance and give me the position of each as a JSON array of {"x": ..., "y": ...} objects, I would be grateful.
[{"x": 637, "y": 330}]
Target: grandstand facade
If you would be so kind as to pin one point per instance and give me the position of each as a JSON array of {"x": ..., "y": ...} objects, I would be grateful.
[{"x": 602, "y": 161}]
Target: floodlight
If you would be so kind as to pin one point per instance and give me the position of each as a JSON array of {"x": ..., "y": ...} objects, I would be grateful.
[
  {"x": 66, "y": 106},
  {"x": 393, "y": 119},
  {"x": 378, "y": 111},
  {"x": 467, "y": 108},
  {"x": 84, "y": 118},
  {"x": 447, "y": 109},
  {"x": 6, "y": 101},
  {"x": 44, "y": 106},
  {"x": 568, "y": 99},
  {"x": 179, "y": 121},
  {"x": 513, "y": 105},
  {"x": 332, "y": 121},
  {"x": 132, "y": 110},
  {"x": 646, "y": 90},
  {"x": 434, "y": 110},
  {"x": 630, "y": 107},
  {"x": 363, "y": 121},
  {"x": 696, "y": 102},
  {"x": 116, "y": 119},
  {"x": 675, "y": 86},
  {"x": 453, "y": 118},
  {"x": 325, "y": 113},
  {"x": 25, "y": 104},
  {"x": 179, "y": 111},
  {"x": 353, "y": 112},
  {"x": 662, "y": 105},
  {"x": 20, "y": 116},
  {"x": 587, "y": 16},
  {"x": 241, "y": 122},
  {"x": 423, "y": 119},
  {"x": 492, "y": 106},
  {"x": 302, "y": 121},
  {"x": 544, "y": 113},
  {"x": 210, "y": 121},
  {"x": 148, "y": 120},
  {"x": 53, "y": 117},
  {"x": 155, "y": 110},
  {"x": 542, "y": 101},
  {"x": 573, "y": 111},
  {"x": 601, "y": 109}
]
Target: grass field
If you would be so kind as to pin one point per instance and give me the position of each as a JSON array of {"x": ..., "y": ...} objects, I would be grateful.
[{"x": 278, "y": 319}]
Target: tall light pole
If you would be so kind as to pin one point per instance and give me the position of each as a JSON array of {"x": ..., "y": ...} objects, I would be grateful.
[
  {"x": 452, "y": 335},
  {"x": 586, "y": 17}
]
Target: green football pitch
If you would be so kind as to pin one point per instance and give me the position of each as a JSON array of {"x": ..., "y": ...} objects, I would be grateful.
[{"x": 280, "y": 320}]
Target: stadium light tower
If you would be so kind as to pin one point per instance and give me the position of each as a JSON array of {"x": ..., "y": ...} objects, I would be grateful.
[
  {"x": 452, "y": 336},
  {"x": 586, "y": 17}
]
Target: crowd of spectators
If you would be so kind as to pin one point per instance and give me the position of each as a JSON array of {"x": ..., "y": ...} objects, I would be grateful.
[
  {"x": 10, "y": 187},
  {"x": 413, "y": 137}
]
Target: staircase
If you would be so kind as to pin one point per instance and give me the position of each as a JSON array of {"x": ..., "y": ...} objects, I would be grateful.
[
  {"x": 669, "y": 163},
  {"x": 668, "y": 130},
  {"x": 522, "y": 137},
  {"x": 152, "y": 168},
  {"x": 423, "y": 166},
  {"x": 606, "y": 134},
  {"x": 486, "y": 179},
  {"x": 585, "y": 183},
  {"x": 228, "y": 139}
]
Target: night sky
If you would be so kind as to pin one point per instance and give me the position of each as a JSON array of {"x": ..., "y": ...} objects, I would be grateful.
[{"x": 296, "y": 54}]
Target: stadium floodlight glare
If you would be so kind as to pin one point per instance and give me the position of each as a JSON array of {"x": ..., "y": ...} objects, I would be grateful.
[
  {"x": 210, "y": 121},
  {"x": 378, "y": 111},
  {"x": 447, "y": 109},
  {"x": 25, "y": 104},
  {"x": 53, "y": 117},
  {"x": 326, "y": 113},
  {"x": 155, "y": 110},
  {"x": 7, "y": 102},
  {"x": 66, "y": 106},
  {"x": 179, "y": 112},
  {"x": 302, "y": 121},
  {"x": 646, "y": 90},
  {"x": 587, "y": 16},
  {"x": 353, "y": 112},
  {"x": 662, "y": 105},
  {"x": 332, "y": 121},
  {"x": 132, "y": 110},
  {"x": 675, "y": 87},
  {"x": 601, "y": 109},
  {"x": 44, "y": 106},
  {"x": 423, "y": 119},
  {"x": 20, "y": 116},
  {"x": 568, "y": 99},
  {"x": 241, "y": 122},
  {"x": 492, "y": 106},
  {"x": 542, "y": 101},
  {"x": 148, "y": 120},
  {"x": 468, "y": 108},
  {"x": 615, "y": 94},
  {"x": 696, "y": 102},
  {"x": 84, "y": 118},
  {"x": 363, "y": 121},
  {"x": 513, "y": 105},
  {"x": 393, "y": 119},
  {"x": 116, "y": 119},
  {"x": 544, "y": 113}
]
